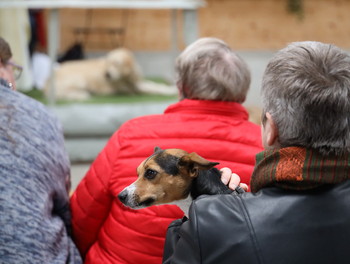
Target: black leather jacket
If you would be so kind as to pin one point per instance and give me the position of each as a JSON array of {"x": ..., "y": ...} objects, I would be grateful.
[{"x": 271, "y": 226}]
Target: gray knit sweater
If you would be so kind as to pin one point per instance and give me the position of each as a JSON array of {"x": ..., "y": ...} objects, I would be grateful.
[{"x": 34, "y": 177}]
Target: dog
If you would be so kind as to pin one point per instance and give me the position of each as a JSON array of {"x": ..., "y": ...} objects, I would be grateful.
[
  {"x": 115, "y": 73},
  {"x": 170, "y": 175}
]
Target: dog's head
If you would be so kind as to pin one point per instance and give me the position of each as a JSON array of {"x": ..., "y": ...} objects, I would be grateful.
[
  {"x": 164, "y": 177},
  {"x": 121, "y": 64}
]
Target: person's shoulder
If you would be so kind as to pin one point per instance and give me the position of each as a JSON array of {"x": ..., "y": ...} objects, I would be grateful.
[
  {"x": 231, "y": 201},
  {"x": 208, "y": 211},
  {"x": 17, "y": 98},
  {"x": 144, "y": 120},
  {"x": 203, "y": 202},
  {"x": 25, "y": 106},
  {"x": 136, "y": 127}
]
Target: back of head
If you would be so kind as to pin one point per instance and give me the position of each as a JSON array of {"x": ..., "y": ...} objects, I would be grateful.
[
  {"x": 209, "y": 70},
  {"x": 5, "y": 51},
  {"x": 306, "y": 89}
]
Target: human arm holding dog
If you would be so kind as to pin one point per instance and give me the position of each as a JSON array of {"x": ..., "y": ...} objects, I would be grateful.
[
  {"x": 182, "y": 240},
  {"x": 189, "y": 242},
  {"x": 230, "y": 179}
]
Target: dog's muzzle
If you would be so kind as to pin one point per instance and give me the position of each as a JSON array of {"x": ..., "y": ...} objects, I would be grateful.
[
  {"x": 123, "y": 196},
  {"x": 129, "y": 199}
]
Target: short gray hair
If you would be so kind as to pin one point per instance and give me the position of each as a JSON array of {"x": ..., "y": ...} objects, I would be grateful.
[
  {"x": 208, "y": 69},
  {"x": 306, "y": 89},
  {"x": 5, "y": 51}
]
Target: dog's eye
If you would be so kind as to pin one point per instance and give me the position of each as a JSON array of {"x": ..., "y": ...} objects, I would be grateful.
[{"x": 150, "y": 174}]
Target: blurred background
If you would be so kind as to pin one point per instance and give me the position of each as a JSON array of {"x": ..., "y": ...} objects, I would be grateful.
[{"x": 155, "y": 31}]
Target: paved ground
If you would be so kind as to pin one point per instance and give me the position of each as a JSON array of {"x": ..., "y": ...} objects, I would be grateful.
[{"x": 77, "y": 173}]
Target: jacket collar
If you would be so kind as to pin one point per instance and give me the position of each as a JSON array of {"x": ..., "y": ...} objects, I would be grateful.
[{"x": 206, "y": 107}]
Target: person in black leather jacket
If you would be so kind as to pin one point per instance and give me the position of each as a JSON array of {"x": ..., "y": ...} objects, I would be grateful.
[{"x": 298, "y": 210}]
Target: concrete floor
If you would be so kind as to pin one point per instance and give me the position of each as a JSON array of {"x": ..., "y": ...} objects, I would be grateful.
[{"x": 77, "y": 173}]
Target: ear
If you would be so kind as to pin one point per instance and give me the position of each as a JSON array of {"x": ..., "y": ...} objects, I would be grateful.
[
  {"x": 157, "y": 149},
  {"x": 270, "y": 132},
  {"x": 192, "y": 163}
]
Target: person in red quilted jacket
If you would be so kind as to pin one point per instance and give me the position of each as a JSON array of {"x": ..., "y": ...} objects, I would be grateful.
[{"x": 213, "y": 82}]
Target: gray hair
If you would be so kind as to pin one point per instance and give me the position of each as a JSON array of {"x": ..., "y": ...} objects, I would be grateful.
[
  {"x": 306, "y": 89},
  {"x": 5, "y": 51},
  {"x": 209, "y": 70}
]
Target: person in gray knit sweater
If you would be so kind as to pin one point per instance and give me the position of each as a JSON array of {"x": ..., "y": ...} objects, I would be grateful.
[{"x": 34, "y": 184}]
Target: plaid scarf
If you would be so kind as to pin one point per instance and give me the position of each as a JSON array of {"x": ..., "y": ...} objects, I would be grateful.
[{"x": 297, "y": 168}]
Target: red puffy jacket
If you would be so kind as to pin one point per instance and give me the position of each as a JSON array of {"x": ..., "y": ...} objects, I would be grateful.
[{"x": 105, "y": 231}]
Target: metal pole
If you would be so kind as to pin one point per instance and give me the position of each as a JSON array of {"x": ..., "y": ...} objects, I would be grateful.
[
  {"x": 53, "y": 40},
  {"x": 190, "y": 26},
  {"x": 174, "y": 40}
]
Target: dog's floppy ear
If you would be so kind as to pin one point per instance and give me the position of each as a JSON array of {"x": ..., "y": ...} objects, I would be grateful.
[{"x": 192, "y": 163}]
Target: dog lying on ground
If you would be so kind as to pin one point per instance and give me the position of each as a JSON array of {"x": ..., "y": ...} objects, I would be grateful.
[
  {"x": 115, "y": 73},
  {"x": 170, "y": 175}
]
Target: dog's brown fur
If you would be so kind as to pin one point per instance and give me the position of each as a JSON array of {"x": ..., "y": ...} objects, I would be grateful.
[
  {"x": 160, "y": 184},
  {"x": 115, "y": 73}
]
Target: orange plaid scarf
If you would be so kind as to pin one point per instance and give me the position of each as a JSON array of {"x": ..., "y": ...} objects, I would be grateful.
[{"x": 298, "y": 168}]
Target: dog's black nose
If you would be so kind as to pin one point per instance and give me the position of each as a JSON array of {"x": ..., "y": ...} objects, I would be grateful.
[
  {"x": 108, "y": 76},
  {"x": 123, "y": 196}
]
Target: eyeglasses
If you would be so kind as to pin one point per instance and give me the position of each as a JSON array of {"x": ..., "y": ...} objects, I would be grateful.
[{"x": 17, "y": 69}]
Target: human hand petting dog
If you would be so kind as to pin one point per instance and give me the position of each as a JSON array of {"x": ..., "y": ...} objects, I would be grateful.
[{"x": 232, "y": 180}]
